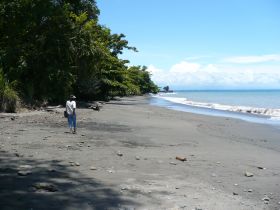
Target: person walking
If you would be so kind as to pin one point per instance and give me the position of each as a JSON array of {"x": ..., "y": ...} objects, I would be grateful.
[{"x": 71, "y": 111}]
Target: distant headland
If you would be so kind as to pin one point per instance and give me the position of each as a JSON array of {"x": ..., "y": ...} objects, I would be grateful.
[{"x": 166, "y": 89}]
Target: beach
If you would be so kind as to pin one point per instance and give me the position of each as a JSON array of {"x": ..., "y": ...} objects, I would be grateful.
[{"x": 124, "y": 157}]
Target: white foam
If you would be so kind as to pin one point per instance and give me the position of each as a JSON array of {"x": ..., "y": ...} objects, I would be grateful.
[
  {"x": 164, "y": 94},
  {"x": 272, "y": 113}
]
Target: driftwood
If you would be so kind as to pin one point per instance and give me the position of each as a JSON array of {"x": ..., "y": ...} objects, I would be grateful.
[
  {"x": 90, "y": 105},
  {"x": 95, "y": 106},
  {"x": 51, "y": 108},
  {"x": 181, "y": 158}
]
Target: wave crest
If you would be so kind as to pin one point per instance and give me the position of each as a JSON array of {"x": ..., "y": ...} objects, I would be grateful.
[{"x": 272, "y": 113}]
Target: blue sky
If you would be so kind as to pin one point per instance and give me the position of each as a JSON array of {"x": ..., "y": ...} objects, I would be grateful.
[{"x": 201, "y": 44}]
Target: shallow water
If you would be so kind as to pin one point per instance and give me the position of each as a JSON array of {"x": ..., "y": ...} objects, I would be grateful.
[
  {"x": 158, "y": 101},
  {"x": 252, "y": 98}
]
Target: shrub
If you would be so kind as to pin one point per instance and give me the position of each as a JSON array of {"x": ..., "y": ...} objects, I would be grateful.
[{"x": 9, "y": 99}]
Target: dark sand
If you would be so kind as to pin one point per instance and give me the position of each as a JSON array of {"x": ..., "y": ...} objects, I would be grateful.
[{"x": 124, "y": 157}]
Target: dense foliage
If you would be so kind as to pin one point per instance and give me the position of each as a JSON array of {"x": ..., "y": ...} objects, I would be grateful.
[{"x": 51, "y": 48}]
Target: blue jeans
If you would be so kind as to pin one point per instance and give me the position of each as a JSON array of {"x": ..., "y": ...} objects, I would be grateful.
[{"x": 72, "y": 121}]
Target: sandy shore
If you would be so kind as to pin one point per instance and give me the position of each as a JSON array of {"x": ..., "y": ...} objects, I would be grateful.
[{"x": 124, "y": 157}]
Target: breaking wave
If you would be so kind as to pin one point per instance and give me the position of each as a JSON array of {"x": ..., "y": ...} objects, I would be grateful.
[{"x": 273, "y": 114}]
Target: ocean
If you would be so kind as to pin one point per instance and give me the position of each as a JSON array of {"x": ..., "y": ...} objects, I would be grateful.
[{"x": 260, "y": 106}]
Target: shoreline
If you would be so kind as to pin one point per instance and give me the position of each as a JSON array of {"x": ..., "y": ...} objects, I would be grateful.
[
  {"x": 249, "y": 114},
  {"x": 124, "y": 157}
]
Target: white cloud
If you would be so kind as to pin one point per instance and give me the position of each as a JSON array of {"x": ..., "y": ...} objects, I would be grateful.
[
  {"x": 253, "y": 59},
  {"x": 186, "y": 75},
  {"x": 185, "y": 67},
  {"x": 153, "y": 70}
]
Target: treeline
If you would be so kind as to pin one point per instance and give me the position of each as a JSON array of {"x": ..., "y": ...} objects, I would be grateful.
[{"x": 51, "y": 48}]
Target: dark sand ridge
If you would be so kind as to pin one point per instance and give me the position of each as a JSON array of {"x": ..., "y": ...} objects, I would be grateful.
[{"x": 123, "y": 157}]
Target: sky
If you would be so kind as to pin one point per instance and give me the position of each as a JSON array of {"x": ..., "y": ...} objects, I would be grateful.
[{"x": 200, "y": 44}]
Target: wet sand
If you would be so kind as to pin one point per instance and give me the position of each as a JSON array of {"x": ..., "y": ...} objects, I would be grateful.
[{"x": 124, "y": 157}]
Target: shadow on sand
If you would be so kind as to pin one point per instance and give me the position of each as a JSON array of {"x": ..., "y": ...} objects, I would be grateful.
[{"x": 72, "y": 190}]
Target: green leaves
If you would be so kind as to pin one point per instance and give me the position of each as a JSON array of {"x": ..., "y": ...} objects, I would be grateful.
[
  {"x": 54, "y": 48},
  {"x": 9, "y": 99}
]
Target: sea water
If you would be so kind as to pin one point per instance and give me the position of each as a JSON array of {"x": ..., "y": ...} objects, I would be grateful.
[{"x": 262, "y": 106}]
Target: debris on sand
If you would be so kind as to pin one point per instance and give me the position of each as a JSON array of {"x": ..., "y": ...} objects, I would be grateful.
[
  {"x": 119, "y": 153},
  {"x": 248, "y": 174},
  {"x": 95, "y": 106},
  {"x": 24, "y": 170},
  {"x": 181, "y": 158},
  {"x": 24, "y": 173},
  {"x": 45, "y": 187},
  {"x": 266, "y": 198}
]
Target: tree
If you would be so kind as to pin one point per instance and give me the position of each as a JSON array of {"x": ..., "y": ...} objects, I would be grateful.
[{"x": 50, "y": 48}]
